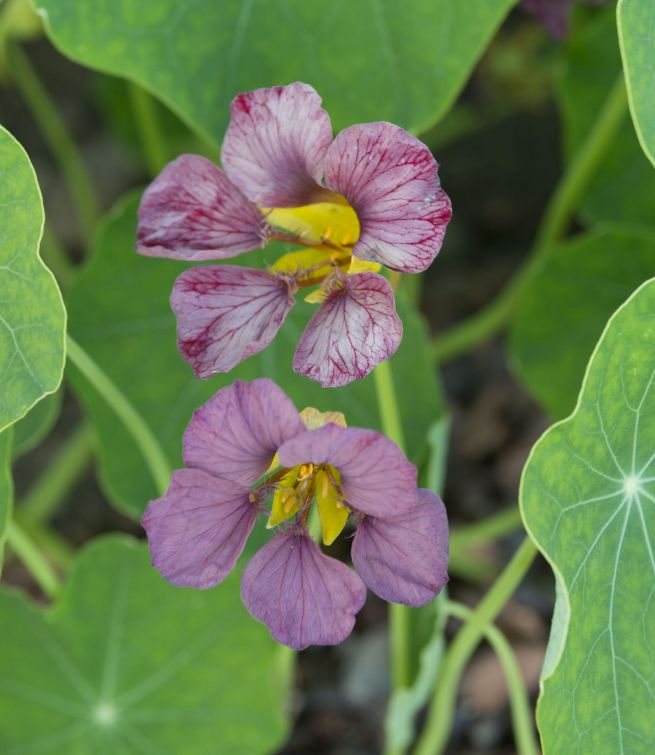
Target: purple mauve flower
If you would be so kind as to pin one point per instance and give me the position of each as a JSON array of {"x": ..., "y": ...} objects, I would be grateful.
[
  {"x": 554, "y": 14},
  {"x": 369, "y": 197},
  {"x": 248, "y": 451}
]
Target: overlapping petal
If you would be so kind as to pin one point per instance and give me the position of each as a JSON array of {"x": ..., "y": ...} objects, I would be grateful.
[
  {"x": 391, "y": 180},
  {"x": 303, "y": 596},
  {"x": 355, "y": 328},
  {"x": 376, "y": 477},
  {"x": 197, "y": 530},
  {"x": 275, "y": 144},
  {"x": 227, "y": 313},
  {"x": 192, "y": 211},
  {"x": 404, "y": 559},
  {"x": 236, "y": 434}
]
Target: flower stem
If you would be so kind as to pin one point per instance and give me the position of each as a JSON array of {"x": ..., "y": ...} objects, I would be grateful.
[
  {"x": 522, "y": 718},
  {"x": 51, "y": 487},
  {"x": 58, "y": 139},
  {"x": 494, "y": 526},
  {"x": 399, "y": 629},
  {"x": 557, "y": 217},
  {"x": 133, "y": 422},
  {"x": 33, "y": 560},
  {"x": 152, "y": 138},
  {"x": 440, "y": 715}
]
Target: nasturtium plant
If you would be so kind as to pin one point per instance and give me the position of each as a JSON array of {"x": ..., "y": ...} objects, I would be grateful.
[
  {"x": 404, "y": 63},
  {"x": 32, "y": 316},
  {"x": 588, "y": 501},
  {"x": 125, "y": 663},
  {"x": 635, "y": 21},
  {"x": 119, "y": 310},
  {"x": 37, "y": 423},
  {"x": 555, "y": 327}
]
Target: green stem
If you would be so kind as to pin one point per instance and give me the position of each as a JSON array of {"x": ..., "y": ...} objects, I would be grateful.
[
  {"x": 494, "y": 526},
  {"x": 59, "y": 478},
  {"x": 152, "y": 139},
  {"x": 522, "y": 719},
  {"x": 557, "y": 217},
  {"x": 58, "y": 550},
  {"x": 399, "y": 624},
  {"x": 33, "y": 560},
  {"x": 133, "y": 422},
  {"x": 440, "y": 715},
  {"x": 58, "y": 138}
]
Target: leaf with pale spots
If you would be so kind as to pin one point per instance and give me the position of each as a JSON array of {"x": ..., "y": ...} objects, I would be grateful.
[
  {"x": 588, "y": 500},
  {"x": 404, "y": 62},
  {"x": 32, "y": 315},
  {"x": 126, "y": 663}
]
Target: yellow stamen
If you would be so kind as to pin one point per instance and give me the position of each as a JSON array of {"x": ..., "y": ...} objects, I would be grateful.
[{"x": 332, "y": 513}]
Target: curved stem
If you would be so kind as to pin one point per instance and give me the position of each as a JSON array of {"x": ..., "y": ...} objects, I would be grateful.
[
  {"x": 134, "y": 423},
  {"x": 522, "y": 719},
  {"x": 58, "y": 139},
  {"x": 152, "y": 138},
  {"x": 556, "y": 219},
  {"x": 33, "y": 560},
  {"x": 440, "y": 715},
  {"x": 399, "y": 628},
  {"x": 58, "y": 479},
  {"x": 494, "y": 526}
]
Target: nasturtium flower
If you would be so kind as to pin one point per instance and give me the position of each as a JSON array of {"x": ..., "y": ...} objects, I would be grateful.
[
  {"x": 367, "y": 198},
  {"x": 249, "y": 452},
  {"x": 554, "y": 14}
]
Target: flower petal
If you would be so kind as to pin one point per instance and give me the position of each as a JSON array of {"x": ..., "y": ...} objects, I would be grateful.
[
  {"x": 227, "y": 313},
  {"x": 376, "y": 477},
  {"x": 274, "y": 146},
  {"x": 303, "y": 596},
  {"x": 355, "y": 328},
  {"x": 404, "y": 559},
  {"x": 391, "y": 180},
  {"x": 192, "y": 211},
  {"x": 197, "y": 530},
  {"x": 236, "y": 434}
]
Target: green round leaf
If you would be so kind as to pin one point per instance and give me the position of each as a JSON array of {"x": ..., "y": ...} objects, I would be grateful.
[
  {"x": 637, "y": 37},
  {"x": 379, "y": 60},
  {"x": 623, "y": 187},
  {"x": 125, "y": 663},
  {"x": 120, "y": 313},
  {"x": 566, "y": 305},
  {"x": 588, "y": 501},
  {"x": 32, "y": 315}
]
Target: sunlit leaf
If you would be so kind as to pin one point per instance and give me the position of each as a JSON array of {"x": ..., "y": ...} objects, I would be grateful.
[
  {"x": 32, "y": 315},
  {"x": 566, "y": 305},
  {"x": 376, "y": 60},
  {"x": 637, "y": 37},
  {"x": 623, "y": 187},
  {"x": 120, "y": 313},
  {"x": 126, "y": 663},
  {"x": 588, "y": 500}
]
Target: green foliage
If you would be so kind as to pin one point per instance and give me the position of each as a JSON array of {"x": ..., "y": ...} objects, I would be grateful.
[
  {"x": 637, "y": 38},
  {"x": 126, "y": 663},
  {"x": 566, "y": 304},
  {"x": 6, "y": 488},
  {"x": 588, "y": 501},
  {"x": 378, "y": 60},
  {"x": 37, "y": 423},
  {"x": 32, "y": 315},
  {"x": 623, "y": 188},
  {"x": 119, "y": 312}
]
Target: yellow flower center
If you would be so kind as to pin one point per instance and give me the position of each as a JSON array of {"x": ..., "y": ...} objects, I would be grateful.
[
  {"x": 297, "y": 487},
  {"x": 330, "y": 230}
]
